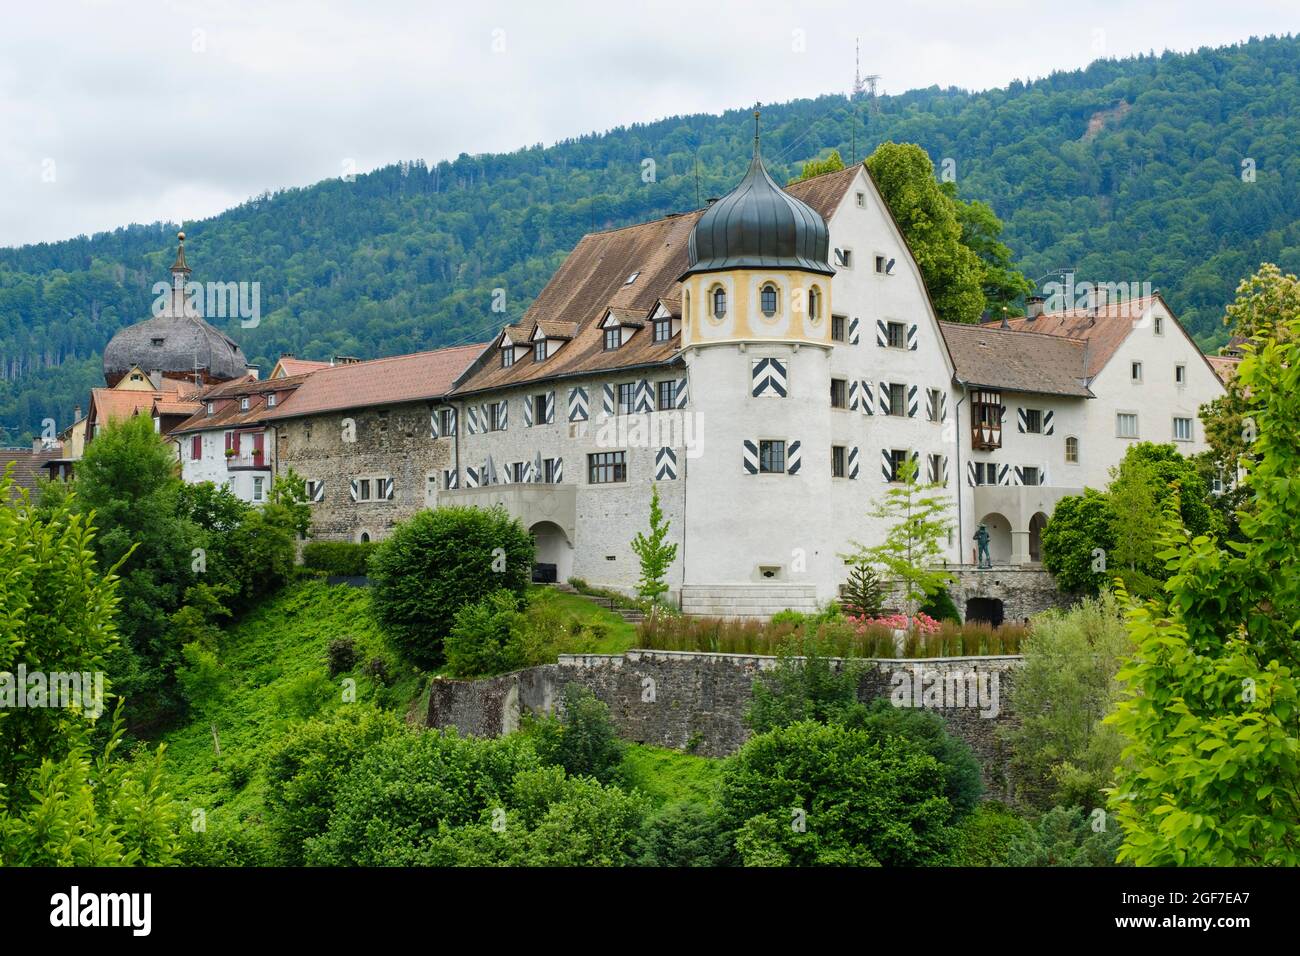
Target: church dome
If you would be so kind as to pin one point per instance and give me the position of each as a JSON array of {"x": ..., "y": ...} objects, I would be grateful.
[
  {"x": 758, "y": 225},
  {"x": 177, "y": 343},
  {"x": 177, "y": 346}
]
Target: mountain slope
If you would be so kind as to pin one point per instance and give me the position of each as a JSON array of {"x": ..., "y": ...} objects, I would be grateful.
[{"x": 1127, "y": 171}]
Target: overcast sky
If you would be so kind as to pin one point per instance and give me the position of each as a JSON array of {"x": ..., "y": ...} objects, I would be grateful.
[{"x": 118, "y": 111}]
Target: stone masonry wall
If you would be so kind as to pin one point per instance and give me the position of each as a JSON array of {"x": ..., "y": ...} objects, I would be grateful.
[{"x": 697, "y": 702}]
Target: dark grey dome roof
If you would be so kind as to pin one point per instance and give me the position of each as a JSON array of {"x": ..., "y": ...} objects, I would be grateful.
[
  {"x": 758, "y": 225},
  {"x": 174, "y": 344}
]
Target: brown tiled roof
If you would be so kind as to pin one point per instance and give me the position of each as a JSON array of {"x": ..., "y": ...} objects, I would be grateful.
[
  {"x": 999, "y": 358},
  {"x": 28, "y": 466},
  {"x": 385, "y": 381},
  {"x": 593, "y": 280},
  {"x": 1225, "y": 366},
  {"x": 296, "y": 366},
  {"x": 557, "y": 330},
  {"x": 226, "y": 397},
  {"x": 177, "y": 408},
  {"x": 1105, "y": 330},
  {"x": 115, "y": 404}
]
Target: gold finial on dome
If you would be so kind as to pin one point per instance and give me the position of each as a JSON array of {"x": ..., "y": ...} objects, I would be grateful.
[{"x": 179, "y": 265}]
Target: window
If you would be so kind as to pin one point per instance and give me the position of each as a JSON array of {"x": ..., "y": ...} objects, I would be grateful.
[
  {"x": 630, "y": 279},
  {"x": 539, "y": 409},
  {"x": 607, "y": 467},
  {"x": 257, "y": 489},
  {"x": 897, "y": 400},
  {"x": 270, "y": 400},
  {"x": 445, "y": 418},
  {"x": 897, "y": 335},
  {"x": 862, "y": 200},
  {"x": 196, "y": 448},
  {"x": 549, "y": 471},
  {"x": 936, "y": 469},
  {"x": 507, "y": 356},
  {"x": 815, "y": 304},
  {"x": 839, "y": 393},
  {"x": 1182, "y": 429},
  {"x": 1126, "y": 424},
  {"x": 1160, "y": 325},
  {"x": 1135, "y": 371},
  {"x": 496, "y": 416},
  {"x": 627, "y": 398},
  {"x": 771, "y": 457},
  {"x": 243, "y": 404},
  {"x": 516, "y": 472},
  {"x": 1034, "y": 421},
  {"x": 1216, "y": 484},
  {"x": 1180, "y": 374},
  {"x": 837, "y": 461},
  {"x": 1031, "y": 476},
  {"x": 884, "y": 265},
  {"x": 539, "y": 350},
  {"x": 613, "y": 338},
  {"x": 837, "y": 328},
  {"x": 365, "y": 537},
  {"x": 663, "y": 330},
  {"x": 156, "y": 343},
  {"x": 1072, "y": 450},
  {"x": 767, "y": 300},
  {"x": 936, "y": 404},
  {"x": 986, "y": 419},
  {"x": 211, "y": 408},
  {"x": 986, "y": 473},
  {"x": 719, "y": 302},
  {"x": 896, "y": 458},
  {"x": 666, "y": 393},
  {"x": 448, "y": 481},
  {"x": 844, "y": 258},
  {"x": 363, "y": 489}
]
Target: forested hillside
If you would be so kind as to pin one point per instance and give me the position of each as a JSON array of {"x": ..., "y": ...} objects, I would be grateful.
[{"x": 1128, "y": 171}]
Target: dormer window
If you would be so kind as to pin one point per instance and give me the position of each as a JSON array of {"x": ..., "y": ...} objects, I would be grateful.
[
  {"x": 663, "y": 330},
  {"x": 211, "y": 408},
  {"x": 539, "y": 350},
  {"x": 767, "y": 300},
  {"x": 613, "y": 338},
  {"x": 508, "y": 356},
  {"x": 243, "y": 404},
  {"x": 632, "y": 278},
  {"x": 719, "y": 302},
  {"x": 270, "y": 400}
]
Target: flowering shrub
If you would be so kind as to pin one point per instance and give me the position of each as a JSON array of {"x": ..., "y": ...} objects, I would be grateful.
[{"x": 896, "y": 622}]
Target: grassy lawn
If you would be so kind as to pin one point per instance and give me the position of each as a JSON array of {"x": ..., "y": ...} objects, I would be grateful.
[
  {"x": 669, "y": 776},
  {"x": 622, "y": 634}
]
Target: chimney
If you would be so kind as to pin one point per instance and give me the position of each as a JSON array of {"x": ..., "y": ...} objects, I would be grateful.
[
  {"x": 254, "y": 371},
  {"x": 155, "y": 378},
  {"x": 1034, "y": 306},
  {"x": 76, "y": 413},
  {"x": 344, "y": 360}
]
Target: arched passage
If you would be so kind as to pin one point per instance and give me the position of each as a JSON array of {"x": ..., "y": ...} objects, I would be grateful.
[
  {"x": 999, "y": 529},
  {"x": 554, "y": 560},
  {"x": 1036, "y": 525},
  {"x": 984, "y": 609}
]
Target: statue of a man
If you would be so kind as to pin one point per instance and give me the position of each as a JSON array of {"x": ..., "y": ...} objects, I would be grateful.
[{"x": 982, "y": 539}]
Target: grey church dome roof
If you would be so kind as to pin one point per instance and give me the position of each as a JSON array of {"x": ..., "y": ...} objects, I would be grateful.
[
  {"x": 174, "y": 345},
  {"x": 758, "y": 225},
  {"x": 177, "y": 343}
]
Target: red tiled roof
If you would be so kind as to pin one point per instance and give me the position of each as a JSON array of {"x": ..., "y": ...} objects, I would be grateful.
[
  {"x": 1225, "y": 366},
  {"x": 115, "y": 404},
  {"x": 296, "y": 366},
  {"x": 385, "y": 381}
]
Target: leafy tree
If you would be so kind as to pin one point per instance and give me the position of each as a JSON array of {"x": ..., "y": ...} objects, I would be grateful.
[
  {"x": 912, "y": 549},
  {"x": 1002, "y": 284},
  {"x": 684, "y": 834},
  {"x": 289, "y": 492},
  {"x": 655, "y": 552},
  {"x": 1210, "y": 696},
  {"x": 56, "y": 615},
  {"x": 1076, "y": 541},
  {"x": 128, "y": 478},
  {"x": 436, "y": 563},
  {"x": 813, "y": 794},
  {"x": 1135, "y": 522},
  {"x": 486, "y": 638},
  {"x": 929, "y": 220},
  {"x": 805, "y": 684},
  {"x": 817, "y": 167},
  {"x": 581, "y": 738},
  {"x": 1060, "y": 751}
]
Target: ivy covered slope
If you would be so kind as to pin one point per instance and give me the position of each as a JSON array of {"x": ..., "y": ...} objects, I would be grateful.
[{"x": 1128, "y": 171}]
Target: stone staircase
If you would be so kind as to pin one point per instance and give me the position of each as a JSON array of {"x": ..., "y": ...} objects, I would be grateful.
[{"x": 631, "y": 615}]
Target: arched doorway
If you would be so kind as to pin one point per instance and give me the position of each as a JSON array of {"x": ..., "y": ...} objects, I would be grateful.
[
  {"x": 1036, "y": 525},
  {"x": 554, "y": 560},
  {"x": 984, "y": 610},
  {"x": 999, "y": 529}
]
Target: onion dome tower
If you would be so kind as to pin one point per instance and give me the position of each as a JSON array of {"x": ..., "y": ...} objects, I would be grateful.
[{"x": 176, "y": 342}]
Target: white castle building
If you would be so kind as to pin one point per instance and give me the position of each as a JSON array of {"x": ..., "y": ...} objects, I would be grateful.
[{"x": 768, "y": 362}]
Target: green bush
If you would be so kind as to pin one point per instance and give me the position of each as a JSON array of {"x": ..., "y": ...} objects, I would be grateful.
[
  {"x": 486, "y": 638},
  {"x": 805, "y": 684},
  {"x": 685, "y": 834},
  {"x": 985, "y": 837},
  {"x": 581, "y": 738},
  {"x": 437, "y": 563},
  {"x": 340, "y": 558},
  {"x": 305, "y": 767},
  {"x": 814, "y": 794},
  {"x": 939, "y": 606},
  {"x": 1068, "y": 836}
]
